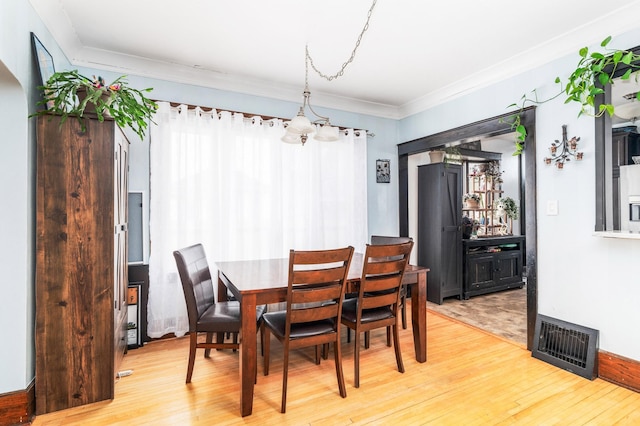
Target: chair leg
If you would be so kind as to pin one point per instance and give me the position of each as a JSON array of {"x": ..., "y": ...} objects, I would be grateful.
[
  {"x": 389, "y": 336},
  {"x": 285, "y": 372},
  {"x": 403, "y": 310},
  {"x": 348, "y": 335},
  {"x": 207, "y": 352},
  {"x": 356, "y": 359},
  {"x": 396, "y": 344},
  {"x": 193, "y": 342},
  {"x": 338, "y": 361},
  {"x": 235, "y": 340},
  {"x": 266, "y": 349},
  {"x": 367, "y": 339},
  {"x": 262, "y": 338},
  {"x": 317, "y": 354}
]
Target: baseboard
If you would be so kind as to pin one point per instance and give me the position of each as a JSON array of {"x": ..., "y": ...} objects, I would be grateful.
[
  {"x": 619, "y": 370},
  {"x": 18, "y": 407}
]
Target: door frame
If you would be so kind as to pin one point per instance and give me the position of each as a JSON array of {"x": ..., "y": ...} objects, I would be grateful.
[{"x": 494, "y": 126}]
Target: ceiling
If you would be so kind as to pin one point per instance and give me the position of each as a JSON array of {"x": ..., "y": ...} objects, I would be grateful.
[{"x": 414, "y": 55}]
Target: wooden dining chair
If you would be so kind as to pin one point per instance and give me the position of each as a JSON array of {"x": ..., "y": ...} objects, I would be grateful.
[
  {"x": 317, "y": 281},
  {"x": 378, "y": 297},
  {"x": 404, "y": 290},
  {"x": 205, "y": 314}
]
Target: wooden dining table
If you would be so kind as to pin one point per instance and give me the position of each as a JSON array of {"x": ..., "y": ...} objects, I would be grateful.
[{"x": 260, "y": 282}]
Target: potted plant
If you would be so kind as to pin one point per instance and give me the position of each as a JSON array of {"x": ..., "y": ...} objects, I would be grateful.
[
  {"x": 509, "y": 206},
  {"x": 471, "y": 200},
  {"x": 436, "y": 155},
  {"x": 69, "y": 93},
  {"x": 593, "y": 71}
]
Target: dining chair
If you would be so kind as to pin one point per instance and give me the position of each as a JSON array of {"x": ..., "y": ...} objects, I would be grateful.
[
  {"x": 204, "y": 313},
  {"x": 378, "y": 297},
  {"x": 315, "y": 292},
  {"x": 381, "y": 239},
  {"x": 404, "y": 290}
]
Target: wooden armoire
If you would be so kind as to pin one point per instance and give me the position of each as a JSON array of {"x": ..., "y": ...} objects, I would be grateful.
[
  {"x": 439, "y": 228},
  {"x": 81, "y": 261}
]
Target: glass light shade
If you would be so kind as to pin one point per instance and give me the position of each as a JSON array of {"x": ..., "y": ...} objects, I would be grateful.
[
  {"x": 291, "y": 138},
  {"x": 327, "y": 133},
  {"x": 300, "y": 124},
  {"x": 628, "y": 111}
]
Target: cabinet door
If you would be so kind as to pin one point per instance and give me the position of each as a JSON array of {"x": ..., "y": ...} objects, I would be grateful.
[
  {"x": 120, "y": 285},
  {"x": 508, "y": 268},
  {"x": 480, "y": 272},
  {"x": 451, "y": 248}
]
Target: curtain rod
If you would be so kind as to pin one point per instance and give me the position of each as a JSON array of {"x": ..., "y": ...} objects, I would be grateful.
[{"x": 247, "y": 114}]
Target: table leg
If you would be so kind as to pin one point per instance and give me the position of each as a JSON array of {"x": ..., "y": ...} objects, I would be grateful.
[
  {"x": 248, "y": 353},
  {"x": 419, "y": 316}
]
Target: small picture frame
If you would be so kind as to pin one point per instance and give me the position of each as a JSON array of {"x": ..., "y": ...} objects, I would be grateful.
[
  {"x": 383, "y": 171},
  {"x": 44, "y": 61}
]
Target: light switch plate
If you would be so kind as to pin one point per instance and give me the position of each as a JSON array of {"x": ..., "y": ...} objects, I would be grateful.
[{"x": 552, "y": 207}]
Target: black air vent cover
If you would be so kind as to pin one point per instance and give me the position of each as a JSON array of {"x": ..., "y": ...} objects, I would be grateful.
[{"x": 568, "y": 346}]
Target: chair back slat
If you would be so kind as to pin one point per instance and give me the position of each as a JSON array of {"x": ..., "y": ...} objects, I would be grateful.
[
  {"x": 379, "y": 300},
  {"x": 318, "y": 275},
  {"x": 316, "y": 313}
]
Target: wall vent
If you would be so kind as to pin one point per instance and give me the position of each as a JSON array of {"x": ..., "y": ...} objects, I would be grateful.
[{"x": 568, "y": 346}]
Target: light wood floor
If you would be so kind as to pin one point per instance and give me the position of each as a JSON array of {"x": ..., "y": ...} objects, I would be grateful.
[{"x": 470, "y": 378}]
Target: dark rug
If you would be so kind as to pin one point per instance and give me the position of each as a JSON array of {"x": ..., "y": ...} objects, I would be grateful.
[{"x": 503, "y": 313}]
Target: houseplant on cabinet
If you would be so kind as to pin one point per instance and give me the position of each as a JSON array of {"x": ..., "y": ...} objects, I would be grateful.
[{"x": 69, "y": 93}]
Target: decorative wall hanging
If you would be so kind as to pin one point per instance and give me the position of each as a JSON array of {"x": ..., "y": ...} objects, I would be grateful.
[
  {"x": 383, "y": 174},
  {"x": 45, "y": 63},
  {"x": 563, "y": 151}
]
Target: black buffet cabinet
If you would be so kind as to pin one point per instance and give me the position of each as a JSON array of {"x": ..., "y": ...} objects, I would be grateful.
[{"x": 492, "y": 264}]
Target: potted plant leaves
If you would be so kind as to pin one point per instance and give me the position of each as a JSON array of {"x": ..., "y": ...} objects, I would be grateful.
[
  {"x": 509, "y": 206},
  {"x": 71, "y": 94},
  {"x": 471, "y": 200}
]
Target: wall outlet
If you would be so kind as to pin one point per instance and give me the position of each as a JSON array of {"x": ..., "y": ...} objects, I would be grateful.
[{"x": 552, "y": 207}]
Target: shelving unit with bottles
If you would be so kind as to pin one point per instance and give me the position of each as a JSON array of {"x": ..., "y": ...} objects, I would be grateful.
[{"x": 488, "y": 187}]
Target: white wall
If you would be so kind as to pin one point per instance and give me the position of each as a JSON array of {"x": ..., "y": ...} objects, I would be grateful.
[
  {"x": 581, "y": 278},
  {"x": 18, "y": 96},
  {"x": 16, "y": 317}
]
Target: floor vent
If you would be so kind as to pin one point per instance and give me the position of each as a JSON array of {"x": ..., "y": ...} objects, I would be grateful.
[{"x": 568, "y": 346}]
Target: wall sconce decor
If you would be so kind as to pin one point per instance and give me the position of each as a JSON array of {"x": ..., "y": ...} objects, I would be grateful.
[{"x": 563, "y": 151}]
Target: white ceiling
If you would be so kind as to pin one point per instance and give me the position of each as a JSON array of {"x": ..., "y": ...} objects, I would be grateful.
[{"x": 415, "y": 54}]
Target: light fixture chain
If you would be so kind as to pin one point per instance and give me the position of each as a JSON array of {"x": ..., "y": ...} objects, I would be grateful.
[{"x": 353, "y": 53}]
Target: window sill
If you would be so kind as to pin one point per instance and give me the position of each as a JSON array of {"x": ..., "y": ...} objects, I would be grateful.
[{"x": 625, "y": 235}]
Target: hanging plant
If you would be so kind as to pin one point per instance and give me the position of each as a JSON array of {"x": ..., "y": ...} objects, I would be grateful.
[{"x": 593, "y": 71}]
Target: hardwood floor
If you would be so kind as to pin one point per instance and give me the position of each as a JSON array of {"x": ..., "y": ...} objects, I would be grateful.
[{"x": 471, "y": 377}]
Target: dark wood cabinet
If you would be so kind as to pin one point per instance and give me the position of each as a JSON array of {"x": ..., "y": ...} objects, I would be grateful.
[
  {"x": 492, "y": 264},
  {"x": 81, "y": 261},
  {"x": 138, "y": 279},
  {"x": 439, "y": 230}
]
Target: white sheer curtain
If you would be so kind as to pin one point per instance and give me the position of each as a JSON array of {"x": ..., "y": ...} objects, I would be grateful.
[{"x": 230, "y": 183}]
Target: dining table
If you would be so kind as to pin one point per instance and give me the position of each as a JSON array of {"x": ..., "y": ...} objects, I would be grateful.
[{"x": 263, "y": 282}]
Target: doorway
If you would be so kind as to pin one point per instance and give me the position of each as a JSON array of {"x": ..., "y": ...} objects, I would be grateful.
[{"x": 488, "y": 128}]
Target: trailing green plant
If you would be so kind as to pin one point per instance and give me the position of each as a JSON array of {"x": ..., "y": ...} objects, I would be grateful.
[
  {"x": 593, "y": 71},
  {"x": 69, "y": 93},
  {"x": 509, "y": 206}
]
